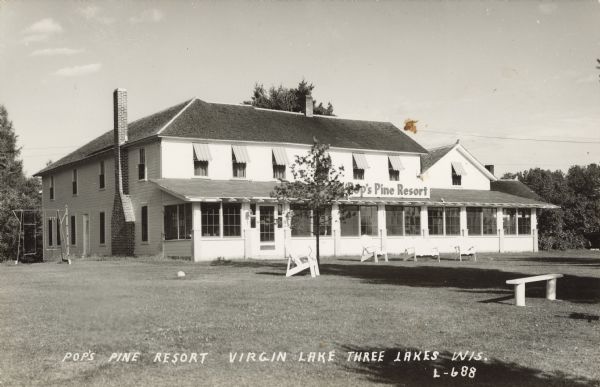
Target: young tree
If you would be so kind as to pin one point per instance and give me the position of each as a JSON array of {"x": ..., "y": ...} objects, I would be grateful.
[{"x": 317, "y": 184}]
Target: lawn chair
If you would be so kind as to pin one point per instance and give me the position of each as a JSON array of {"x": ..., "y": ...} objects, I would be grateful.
[
  {"x": 422, "y": 252},
  {"x": 298, "y": 263},
  {"x": 371, "y": 251},
  {"x": 464, "y": 250}
]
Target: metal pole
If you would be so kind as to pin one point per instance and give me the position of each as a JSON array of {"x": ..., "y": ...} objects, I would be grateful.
[{"x": 68, "y": 241}]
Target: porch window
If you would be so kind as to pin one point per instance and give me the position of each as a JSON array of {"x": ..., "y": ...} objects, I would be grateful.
[
  {"x": 524, "y": 221},
  {"x": 210, "y": 219},
  {"x": 481, "y": 221},
  {"x": 202, "y": 157},
  {"x": 490, "y": 226},
  {"x": 435, "y": 218},
  {"x": 509, "y": 221},
  {"x": 300, "y": 223},
  {"x": 232, "y": 224},
  {"x": 50, "y": 232},
  {"x": 412, "y": 220},
  {"x": 394, "y": 220},
  {"x": 58, "y": 239},
  {"x": 452, "y": 220},
  {"x": 177, "y": 221},
  {"x": 144, "y": 223},
  {"x": 73, "y": 230},
  {"x": 102, "y": 228},
  {"x": 350, "y": 220}
]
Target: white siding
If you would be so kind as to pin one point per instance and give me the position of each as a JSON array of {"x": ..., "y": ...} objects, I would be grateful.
[{"x": 440, "y": 174}]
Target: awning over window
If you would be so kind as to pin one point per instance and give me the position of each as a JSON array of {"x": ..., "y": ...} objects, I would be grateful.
[
  {"x": 240, "y": 153},
  {"x": 360, "y": 160},
  {"x": 396, "y": 163},
  {"x": 458, "y": 168},
  {"x": 280, "y": 156},
  {"x": 201, "y": 152}
]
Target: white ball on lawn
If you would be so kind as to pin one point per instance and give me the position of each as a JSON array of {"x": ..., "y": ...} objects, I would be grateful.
[{"x": 180, "y": 274}]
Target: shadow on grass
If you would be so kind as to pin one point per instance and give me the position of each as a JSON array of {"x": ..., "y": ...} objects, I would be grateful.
[
  {"x": 569, "y": 288},
  {"x": 562, "y": 260},
  {"x": 491, "y": 372}
]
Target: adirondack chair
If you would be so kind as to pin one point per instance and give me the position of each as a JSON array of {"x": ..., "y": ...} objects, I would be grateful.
[
  {"x": 463, "y": 249},
  {"x": 422, "y": 252},
  {"x": 298, "y": 263},
  {"x": 369, "y": 250}
]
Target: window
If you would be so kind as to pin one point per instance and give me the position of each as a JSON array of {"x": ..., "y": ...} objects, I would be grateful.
[
  {"x": 101, "y": 175},
  {"x": 349, "y": 219},
  {"x": 368, "y": 220},
  {"x": 474, "y": 220},
  {"x": 509, "y": 221},
  {"x": 457, "y": 173},
  {"x": 412, "y": 220},
  {"x": 239, "y": 156},
  {"x": 142, "y": 164},
  {"x": 524, "y": 221},
  {"x": 324, "y": 222},
  {"x": 178, "y": 221},
  {"x": 58, "y": 239},
  {"x": 280, "y": 160},
  {"x": 50, "y": 232},
  {"x": 359, "y": 164},
  {"x": 252, "y": 215},
  {"x": 210, "y": 219},
  {"x": 232, "y": 221},
  {"x": 102, "y": 228},
  {"x": 394, "y": 167},
  {"x": 394, "y": 220},
  {"x": 201, "y": 158},
  {"x": 301, "y": 221},
  {"x": 51, "y": 187},
  {"x": 73, "y": 230},
  {"x": 452, "y": 220},
  {"x": 435, "y": 218},
  {"x": 489, "y": 221},
  {"x": 481, "y": 221},
  {"x": 144, "y": 223},
  {"x": 74, "y": 182}
]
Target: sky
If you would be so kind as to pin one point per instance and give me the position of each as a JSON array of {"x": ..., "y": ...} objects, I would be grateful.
[{"x": 515, "y": 82}]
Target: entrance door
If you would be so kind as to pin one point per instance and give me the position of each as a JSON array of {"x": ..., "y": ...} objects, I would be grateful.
[
  {"x": 86, "y": 236},
  {"x": 267, "y": 228}
]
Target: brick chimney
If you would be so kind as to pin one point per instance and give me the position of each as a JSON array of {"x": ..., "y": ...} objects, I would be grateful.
[
  {"x": 308, "y": 109},
  {"x": 123, "y": 216},
  {"x": 490, "y": 168},
  {"x": 120, "y": 137}
]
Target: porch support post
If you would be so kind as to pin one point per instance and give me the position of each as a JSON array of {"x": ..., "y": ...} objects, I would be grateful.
[
  {"x": 424, "y": 222},
  {"x": 534, "y": 229},
  {"x": 196, "y": 232},
  {"x": 381, "y": 225},
  {"x": 335, "y": 228},
  {"x": 500, "y": 225}
]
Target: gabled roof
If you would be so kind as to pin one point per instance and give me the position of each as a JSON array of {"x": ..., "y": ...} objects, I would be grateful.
[
  {"x": 434, "y": 155},
  {"x": 514, "y": 187},
  {"x": 137, "y": 130},
  {"x": 212, "y": 121},
  {"x": 197, "y": 189}
]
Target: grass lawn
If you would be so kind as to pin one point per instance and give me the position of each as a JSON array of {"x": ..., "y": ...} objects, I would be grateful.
[{"x": 49, "y": 309}]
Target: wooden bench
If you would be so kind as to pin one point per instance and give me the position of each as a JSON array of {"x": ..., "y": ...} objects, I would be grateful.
[{"x": 520, "y": 286}]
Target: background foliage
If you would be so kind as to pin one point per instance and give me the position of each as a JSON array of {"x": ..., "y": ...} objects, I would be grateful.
[
  {"x": 577, "y": 193},
  {"x": 16, "y": 190}
]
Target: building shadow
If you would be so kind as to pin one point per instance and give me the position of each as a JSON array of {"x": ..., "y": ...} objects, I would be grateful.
[{"x": 490, "y": 372}]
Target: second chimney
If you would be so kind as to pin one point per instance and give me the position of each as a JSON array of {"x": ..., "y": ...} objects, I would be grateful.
[
  {"x": 308, "y": 109},
  {"x": 490, "y": 168}
]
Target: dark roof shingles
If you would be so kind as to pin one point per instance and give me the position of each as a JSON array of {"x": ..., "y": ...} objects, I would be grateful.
[
  {"x": 433, "y": 156},
  {"x": 514, "y": 187}
]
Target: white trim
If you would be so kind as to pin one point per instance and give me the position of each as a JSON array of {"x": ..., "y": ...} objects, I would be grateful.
[
  {"x": 176, "y": 116},
  {"x": 476, "y": 163},
  {"x": 283, "y": 144}
]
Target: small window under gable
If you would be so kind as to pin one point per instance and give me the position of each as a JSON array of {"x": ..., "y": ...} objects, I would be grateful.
[
  {"x": 394, "y": 167},
  {"x": 457, "y": 173},
  {"x": 202, "y": 157},
  {"x": 359, "y": 164},
  {"x": 280, "y": 160},
  {"x": 142, "y": 164}
]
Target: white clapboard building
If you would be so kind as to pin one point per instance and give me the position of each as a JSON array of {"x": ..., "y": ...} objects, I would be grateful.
[{"x": 195, "y": 180}]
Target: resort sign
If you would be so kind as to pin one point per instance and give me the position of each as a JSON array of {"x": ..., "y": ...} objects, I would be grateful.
[{"x": 390, "y": 190}]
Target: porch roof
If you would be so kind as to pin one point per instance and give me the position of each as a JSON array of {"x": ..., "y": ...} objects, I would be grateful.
[{"x": 198, "y": 189}]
